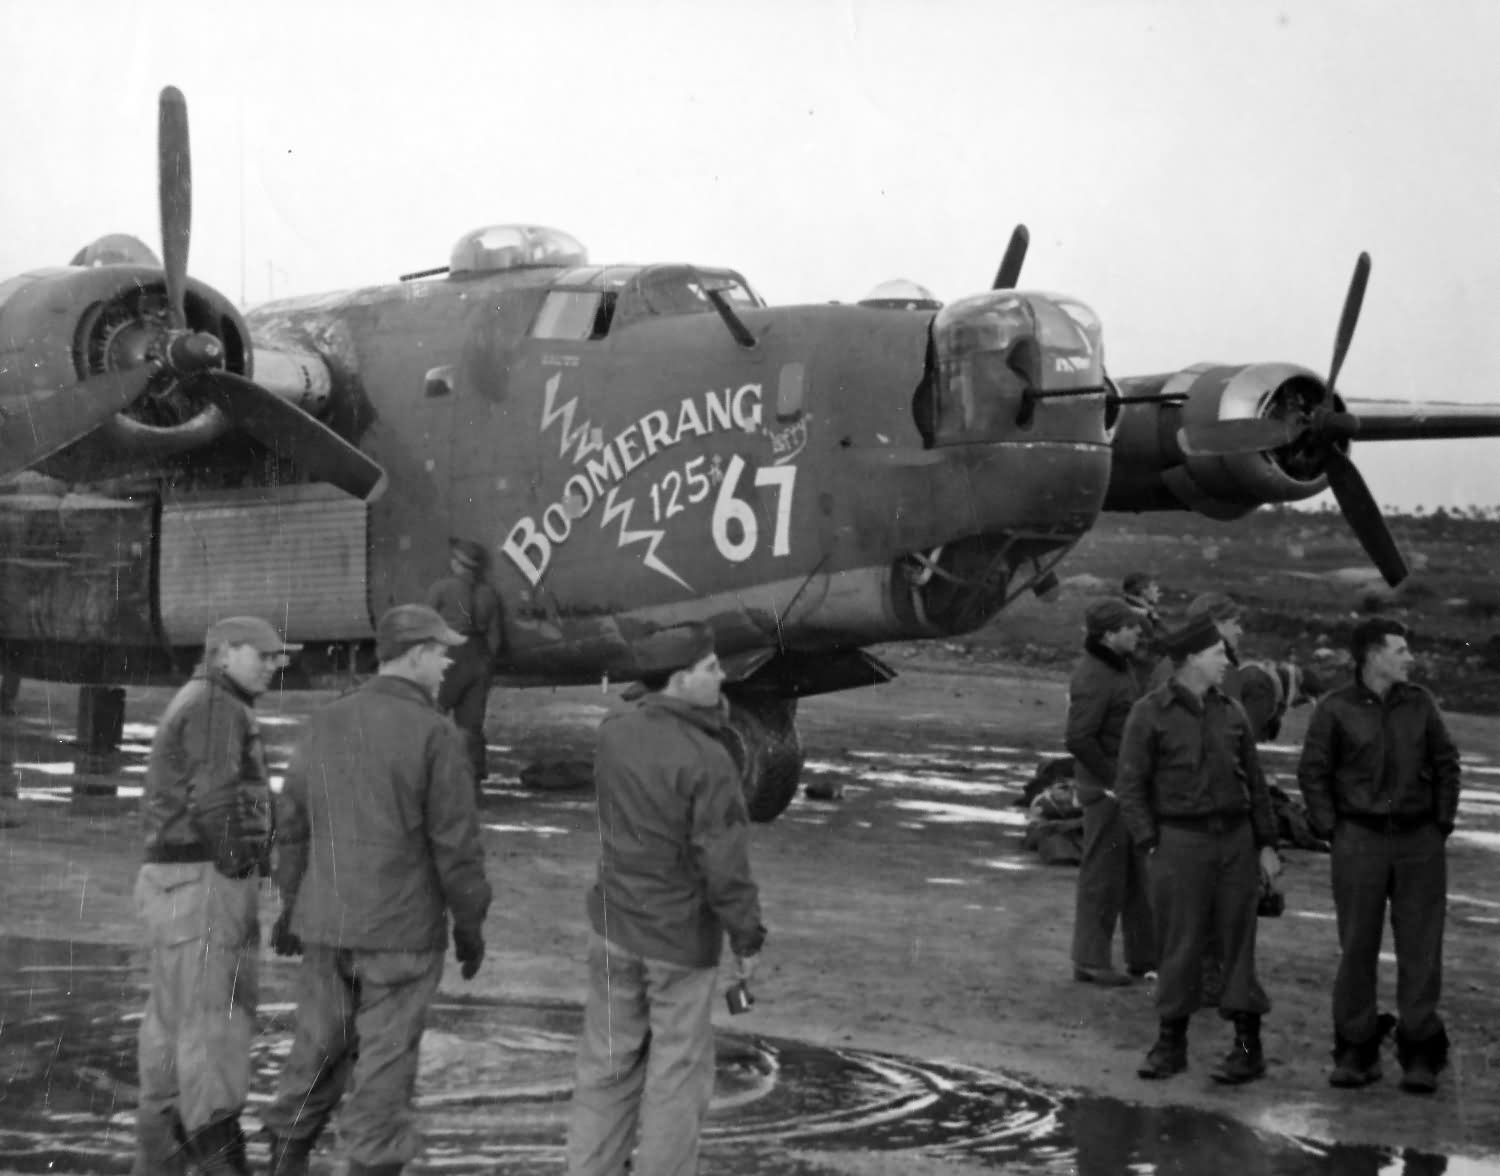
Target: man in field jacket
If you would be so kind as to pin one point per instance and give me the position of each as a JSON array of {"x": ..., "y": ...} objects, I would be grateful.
[
  {"x": 1193, "y": 795},
  {"x": 379, "y": 845},
  {"x": 674, "y": 877},
  {"x": 206, "y": 812},
  {"x": 1112, "y": 872},
  {"x": 1380, "y": 775}
]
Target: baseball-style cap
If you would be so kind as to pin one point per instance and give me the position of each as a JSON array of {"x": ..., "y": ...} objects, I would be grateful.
[
  {"x": 1216, "y": 605},
  {"x": 247, "y": 631},
  {"x": 677, "y": 648},
  {"x": 411, "y": 624},
  {"x": 1105, "y": 616},
  {"x": 1198, "y": 634}
]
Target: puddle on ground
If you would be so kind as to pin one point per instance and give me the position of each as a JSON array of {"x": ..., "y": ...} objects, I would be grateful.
[{"x": 495, "y": 1079}]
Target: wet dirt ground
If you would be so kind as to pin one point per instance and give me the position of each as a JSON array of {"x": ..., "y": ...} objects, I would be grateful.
[{"x": 916, "y": 1010}]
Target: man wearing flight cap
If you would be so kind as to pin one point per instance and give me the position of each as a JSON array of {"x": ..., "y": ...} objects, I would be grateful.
[
  {"x": 206, "y": 812},
  {"x": 1111, "y": 875},
  {"x": 379, "y": 844},
  {"x": 472, "y": 608},
  {"x": 1261, "y": 688},
  {"x": 674, "y": 877},
  {"x": 1194, "y": 797}
]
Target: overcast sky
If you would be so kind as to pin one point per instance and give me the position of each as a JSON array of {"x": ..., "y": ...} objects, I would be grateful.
[{"x": 1204, "y": 175}]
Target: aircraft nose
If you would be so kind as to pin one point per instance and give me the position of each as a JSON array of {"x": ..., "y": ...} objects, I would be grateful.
[{"x": 1013, "y": 365}]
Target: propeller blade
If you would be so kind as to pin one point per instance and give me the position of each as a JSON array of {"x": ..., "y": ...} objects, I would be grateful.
[
  {"x": 288, "y": 431},
  {"x": 35, "y": 425},
  {"x": 1358, "y": 504},
  {"x": 1247, "y": 435},
  {"x": 175, "y": 194},
  {"x": 1350, "y": 317},
  {"x": 1009, "y": 272}
]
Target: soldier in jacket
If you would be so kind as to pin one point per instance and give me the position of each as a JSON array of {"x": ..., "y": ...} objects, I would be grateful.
[
  {"x": 1193, "y": 796},
  {"x": 471, "y": 608},
  {"x": 1258, "y": 693},
  {"x": 674, "y": 877},
  {"x": 379, "y": 845},
  {"x": 206, "y": 813},
  {"x": 1112, "y": 873},
  {"x": 1380, "y": 775}
]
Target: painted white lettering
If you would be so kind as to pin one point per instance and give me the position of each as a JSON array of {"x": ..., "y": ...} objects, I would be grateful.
[
  {"x": 557, "y": 523},
  {"x": 580, "y": 493},
  {"x": 656, "y": 429},
  {"x": 629, "y": 447},
  {"x": 688, "y": 419},
  {"x": 717, "y": 413},
  {"x": 747, "y": 415},
  {"x": 605, "y": 472},
  {"x": 523, "y": 539}
]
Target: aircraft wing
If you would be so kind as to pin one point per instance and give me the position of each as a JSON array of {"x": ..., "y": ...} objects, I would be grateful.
[{"x": 1410, "y": 420}]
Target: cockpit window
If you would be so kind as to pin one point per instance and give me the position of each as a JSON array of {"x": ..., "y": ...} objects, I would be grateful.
[
  {"x": 575, "y": 314},
  {"x": 675, "y": 290},
  {"x": 589, "y": 302}
]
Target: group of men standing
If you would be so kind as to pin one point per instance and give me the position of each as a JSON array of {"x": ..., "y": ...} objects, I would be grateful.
[
  {"x": 1180, "y": 839},
  {"x": 375, "y": 847}
]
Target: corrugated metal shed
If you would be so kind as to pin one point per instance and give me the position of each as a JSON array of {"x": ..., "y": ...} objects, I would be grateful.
[{"x": 295, "y": 555}]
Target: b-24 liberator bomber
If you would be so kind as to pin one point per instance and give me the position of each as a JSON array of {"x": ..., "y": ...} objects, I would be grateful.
[{"x": 634, "y": 446}]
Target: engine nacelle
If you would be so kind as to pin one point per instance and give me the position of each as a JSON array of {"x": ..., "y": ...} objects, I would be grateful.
[
  {"x": 1151, "y": 471},
  {"x": 61, "y": 326}
]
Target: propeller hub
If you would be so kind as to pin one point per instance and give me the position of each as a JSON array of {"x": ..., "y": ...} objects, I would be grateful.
[
  {"x": 1337, "y": 426},
  {"x": 191, "y": 352}
]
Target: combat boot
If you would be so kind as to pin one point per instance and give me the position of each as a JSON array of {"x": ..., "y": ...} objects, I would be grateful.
[
  {"x": 1169, "y": 1055},
  {"x": 1422, "y": 1061},
  {"x": 219, "y": 1149},
  {"x": 1244, "y": 1062},
  {"x": 159, "y": 1144},
  {"x": 1357, "y": 1063}
]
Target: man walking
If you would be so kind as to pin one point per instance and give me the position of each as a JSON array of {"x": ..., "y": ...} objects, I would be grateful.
[
  {"x": 1112, "y": 874},
  {"x": 379, "y": 844},
  {"x": 206, "y": 812},
  {"x": 471, "y": 608},
  {"x": 674, "y": 875},
  {"x": 1193, "y": 795},
  {"x": 1380, "y": 775}
]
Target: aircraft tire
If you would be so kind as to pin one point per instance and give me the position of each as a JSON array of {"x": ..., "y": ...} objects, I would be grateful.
[{"x": 768, "y": 750}]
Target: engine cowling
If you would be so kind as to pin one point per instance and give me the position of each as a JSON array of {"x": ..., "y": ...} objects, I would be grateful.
[
  {"x": 1152, "y": 472},
  {"x": 60, "y": 327}
]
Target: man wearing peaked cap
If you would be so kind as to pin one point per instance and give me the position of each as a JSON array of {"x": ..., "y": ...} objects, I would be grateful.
[
  {"x": 674, "y": 878},
  {"x": 472, "y": 608},
  {"x": 1195, "y": 636},
  {"x": 251, "y": 631},
  {"x": 412, "y": 624},
  {"x": 1111, "y": 874},
  {"x": 206, "y": 812},
  {"x": 1193, "y": 796},
  {"x": 379, "y": 848}
]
